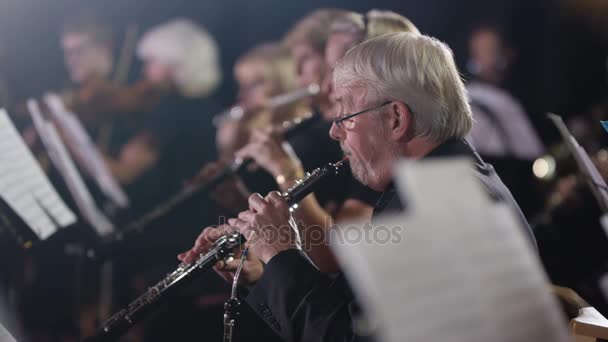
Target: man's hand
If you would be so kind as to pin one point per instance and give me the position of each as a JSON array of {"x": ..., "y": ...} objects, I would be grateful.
[
  {"x": 251, "y": 272},
  {"x": 204, "y": 242},
  {"x": 252, "y": 268},
  {"x": 266, "y": 226},
  {"x": 265, "y": 147}
]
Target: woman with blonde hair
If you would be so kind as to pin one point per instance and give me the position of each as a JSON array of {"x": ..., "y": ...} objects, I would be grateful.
[{"x": 261, "y": 73}]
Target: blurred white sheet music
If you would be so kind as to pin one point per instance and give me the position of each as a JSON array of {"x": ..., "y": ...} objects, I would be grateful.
[
  {"x": 85, "y": 151},
  {"x": 65, "y": 165},
  {"x": 6, "y": 336},
  {"x": 455, "y": 266},
  {"x": 25, "y": 187}
]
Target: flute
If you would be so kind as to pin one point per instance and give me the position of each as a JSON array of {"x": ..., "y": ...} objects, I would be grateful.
[{"x": 237, "y": 112}]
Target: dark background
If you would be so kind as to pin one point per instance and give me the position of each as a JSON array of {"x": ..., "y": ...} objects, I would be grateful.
[{"x": 562, "y": 44}]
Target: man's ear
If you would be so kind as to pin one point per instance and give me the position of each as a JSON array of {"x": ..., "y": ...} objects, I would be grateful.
[{"x": 400, "y": 121}]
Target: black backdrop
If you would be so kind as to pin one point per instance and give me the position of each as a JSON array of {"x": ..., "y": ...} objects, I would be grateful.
[{"x": 561, "y": 64}]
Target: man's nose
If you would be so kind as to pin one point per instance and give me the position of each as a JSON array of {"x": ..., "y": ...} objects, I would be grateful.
[{"x": 335, "y": 132}]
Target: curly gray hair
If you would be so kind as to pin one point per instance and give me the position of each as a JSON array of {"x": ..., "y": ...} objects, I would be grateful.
[{"x": 190, "y": 50}]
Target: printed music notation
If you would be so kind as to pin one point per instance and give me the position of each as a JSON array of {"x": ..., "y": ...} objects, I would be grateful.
[{"x": 25, "y": 187}]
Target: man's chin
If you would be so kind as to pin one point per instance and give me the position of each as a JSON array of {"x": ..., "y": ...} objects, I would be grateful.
[{"x": 358, "y": 175}]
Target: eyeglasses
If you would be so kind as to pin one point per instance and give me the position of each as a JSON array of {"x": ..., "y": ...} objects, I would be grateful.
[{"x": 339, "y": 121}]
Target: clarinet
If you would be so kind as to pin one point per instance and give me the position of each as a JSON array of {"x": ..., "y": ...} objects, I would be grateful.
[
  {"x": 190, "y": 192},
  {"x": 222, "y": 249}
]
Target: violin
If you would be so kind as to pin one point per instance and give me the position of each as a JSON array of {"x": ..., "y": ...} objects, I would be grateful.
[{"x": 99, "y": 101}]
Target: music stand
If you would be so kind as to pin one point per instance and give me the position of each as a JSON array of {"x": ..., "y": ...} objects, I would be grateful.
[
  {"x": 594, "y": 179},
  {"x": 14, "y": 225}
]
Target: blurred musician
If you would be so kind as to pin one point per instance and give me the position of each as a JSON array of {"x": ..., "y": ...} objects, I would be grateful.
[
  {"x": 87, "y": 49},
  {"x": 153, "y": 152},
  {"x": 263, "y": 72},
  {"x": 400, "y": 96},
  {"x": 502, "y": 132},
  {"x": 99, "y": 94},
  {"x": 266, "y": 70},
  {"x": 87, "y": 46},
  {"x": 88, "y": 55}
]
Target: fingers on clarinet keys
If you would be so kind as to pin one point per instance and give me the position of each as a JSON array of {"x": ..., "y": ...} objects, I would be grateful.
[
  {"x": 229, "y": 258},
  {"x": 251, "y": 272},
  {"x": 227, "y": 264},
  {"x": 204, "y": 242}
]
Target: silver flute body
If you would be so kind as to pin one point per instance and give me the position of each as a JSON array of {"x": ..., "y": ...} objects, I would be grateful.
[
  {"x": 237, "y": 112},
  {"x": 222, "y": 249}
]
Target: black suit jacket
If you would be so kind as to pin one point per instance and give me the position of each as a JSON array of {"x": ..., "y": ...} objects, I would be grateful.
[{"x": 302, "y": 304}]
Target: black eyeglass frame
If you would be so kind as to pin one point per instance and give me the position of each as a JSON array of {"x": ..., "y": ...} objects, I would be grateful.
[{"x": 338, "y": 121}]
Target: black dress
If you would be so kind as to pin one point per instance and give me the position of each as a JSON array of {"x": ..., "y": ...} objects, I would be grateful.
[{"x": 181, "y": 130}]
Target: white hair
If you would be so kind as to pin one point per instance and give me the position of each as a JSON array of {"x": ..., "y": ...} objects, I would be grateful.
[
  {"x": 417, "y": 70},
  {"x": 190, "y": 50}
]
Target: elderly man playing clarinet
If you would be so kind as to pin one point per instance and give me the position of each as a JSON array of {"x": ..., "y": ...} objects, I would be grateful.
[{"x": 399, "y": 96}]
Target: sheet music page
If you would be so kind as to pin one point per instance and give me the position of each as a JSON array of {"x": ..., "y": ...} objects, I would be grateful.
[
  {"x": 5, "y": 335},
  {"x": 84, "y": 200},
  {"x": 86, "y": 152},
  {"x": 25, "y": 187},
  {"x": 454, "y": 267},
  {"x": 64, "y": 163}
]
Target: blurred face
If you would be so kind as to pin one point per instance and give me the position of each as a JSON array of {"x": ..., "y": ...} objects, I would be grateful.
[
  {"x": 255, "y": 88},
  {"x": 337, "y": 45},
  {"x": 157, "y": 72},
  {"x": 488, "y": 54},
  {"x": 310, "y": 65},
  {"x": 310, "y": 68},
  {"x": 84, "y": 58},
  {"x": 363, "y": 138}
]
